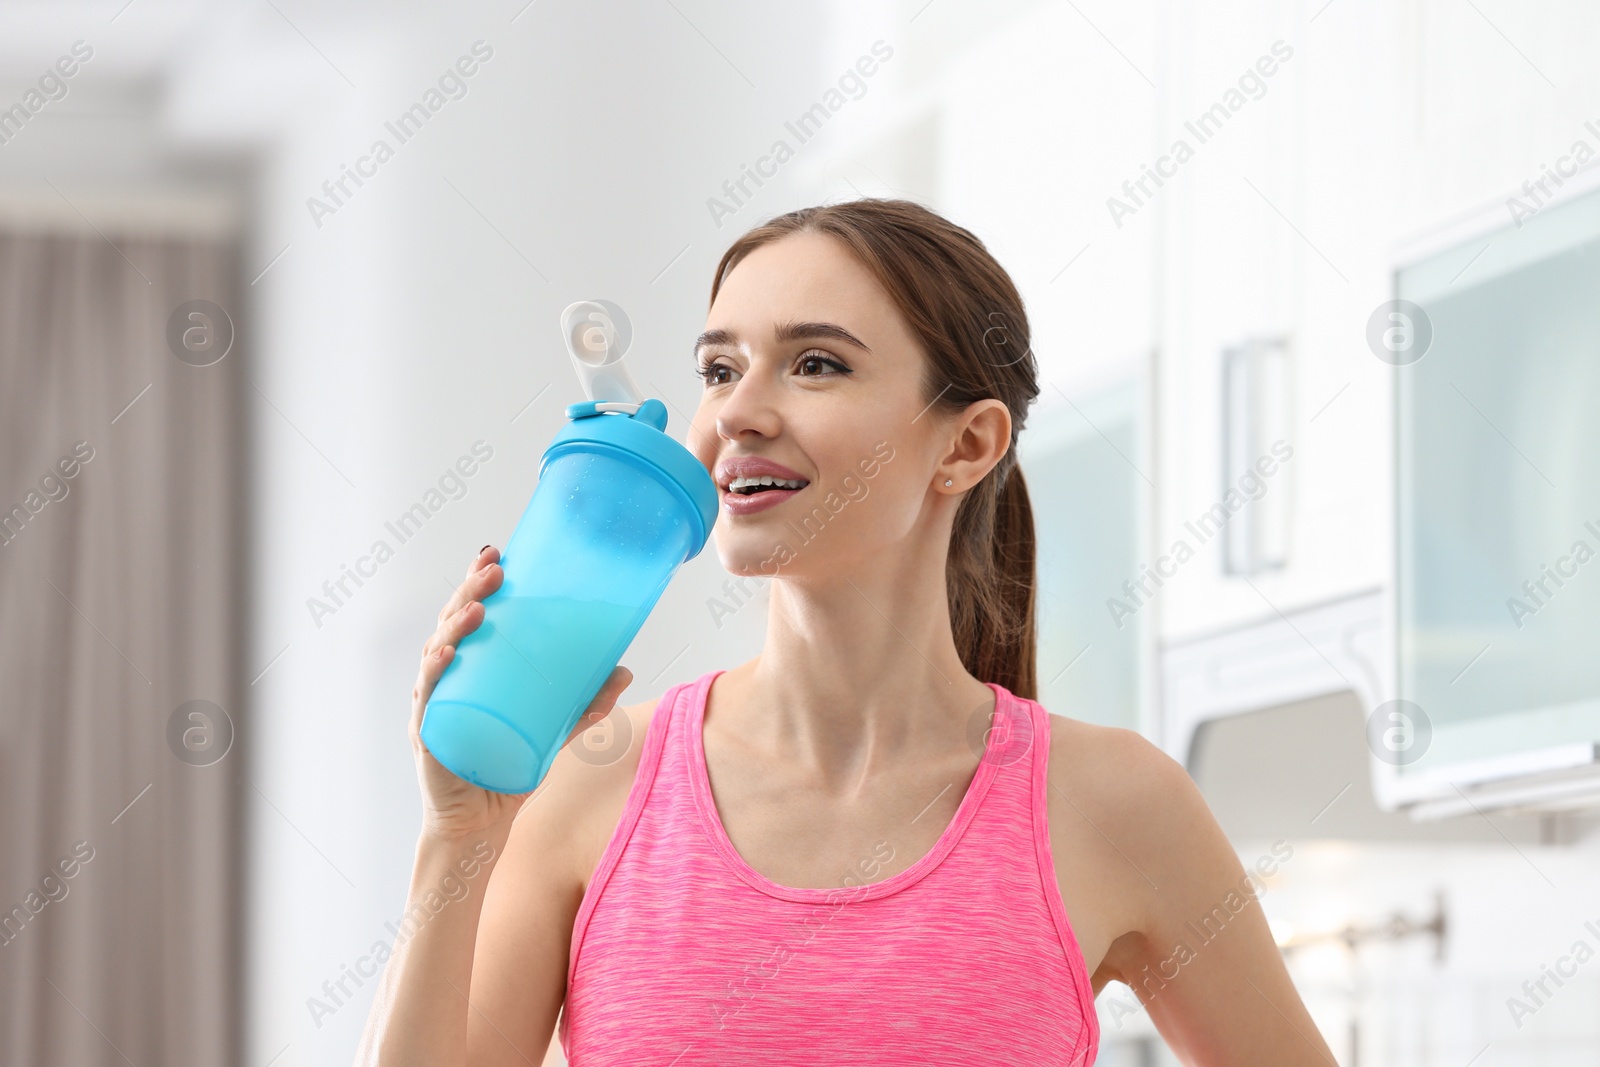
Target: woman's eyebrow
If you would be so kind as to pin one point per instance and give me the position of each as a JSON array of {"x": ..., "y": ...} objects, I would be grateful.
[{"x": 787, "y": 331}]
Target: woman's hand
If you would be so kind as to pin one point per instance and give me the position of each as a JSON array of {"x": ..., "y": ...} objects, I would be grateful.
[{"x": 451, "y": 806}]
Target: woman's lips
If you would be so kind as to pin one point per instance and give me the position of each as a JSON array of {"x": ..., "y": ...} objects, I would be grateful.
[{"x": 750, "y": 503}]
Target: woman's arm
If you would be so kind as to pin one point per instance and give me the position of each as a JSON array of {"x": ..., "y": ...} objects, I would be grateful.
[
  {"x": 519, "y": 974},
  {"x": 421, "y": 1014},
  {"x": 1199, "y": 956}
]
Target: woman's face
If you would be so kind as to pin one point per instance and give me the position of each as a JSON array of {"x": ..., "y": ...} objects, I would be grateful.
[{"x": 808, "y": 365}]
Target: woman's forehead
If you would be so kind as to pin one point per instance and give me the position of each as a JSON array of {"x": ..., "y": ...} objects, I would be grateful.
[{"x": 813, "y": 281}]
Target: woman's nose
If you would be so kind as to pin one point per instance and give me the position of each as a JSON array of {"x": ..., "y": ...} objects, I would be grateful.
[{"x": 748, "y": 406}]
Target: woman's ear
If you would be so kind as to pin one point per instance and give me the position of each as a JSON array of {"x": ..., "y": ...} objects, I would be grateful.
[{"x": 980, "y": 438}]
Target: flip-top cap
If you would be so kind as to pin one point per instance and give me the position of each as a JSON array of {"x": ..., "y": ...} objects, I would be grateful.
[{"x": 640, "y": 438}]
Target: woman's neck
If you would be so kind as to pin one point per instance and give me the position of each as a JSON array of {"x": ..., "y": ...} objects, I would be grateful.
[{"x": 859, "y": 671}]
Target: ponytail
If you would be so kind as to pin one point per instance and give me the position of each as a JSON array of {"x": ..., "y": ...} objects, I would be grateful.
[{"x": 990, "y": 579}]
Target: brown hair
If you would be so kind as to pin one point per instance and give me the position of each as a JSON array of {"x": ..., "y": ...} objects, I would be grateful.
[{"x": 968, "y": 316}]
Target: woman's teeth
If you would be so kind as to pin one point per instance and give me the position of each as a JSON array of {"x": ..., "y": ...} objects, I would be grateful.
[{"x": 746, "y": 486}]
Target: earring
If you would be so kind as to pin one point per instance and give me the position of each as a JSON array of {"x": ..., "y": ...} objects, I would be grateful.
[{"x": 947, "y": 481}]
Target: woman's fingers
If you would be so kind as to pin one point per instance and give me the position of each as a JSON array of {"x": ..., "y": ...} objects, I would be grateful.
[
  {"x": 457, "y": 618},
  {"x": 453, "y": 629},
  {"x": 615, "y": 684},
  {"x": 482, "y": 579},
  {"x": 440, "y": 649},
  {"x": 604, "y": 702},
  {"x": 433, "y": 665}
]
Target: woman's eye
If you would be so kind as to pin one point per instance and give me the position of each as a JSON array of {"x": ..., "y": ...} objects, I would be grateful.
[
  {"x": 815, "y": 358},
  {"x": 708, "y": 372},
  {"x": 809, "y": 365}
]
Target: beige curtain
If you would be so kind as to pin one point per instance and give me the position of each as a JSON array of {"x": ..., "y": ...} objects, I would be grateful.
[{"x": 121, "y": 584}]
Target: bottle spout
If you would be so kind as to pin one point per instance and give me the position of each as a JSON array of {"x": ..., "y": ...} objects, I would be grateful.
[{"x": 597, "y": 333}]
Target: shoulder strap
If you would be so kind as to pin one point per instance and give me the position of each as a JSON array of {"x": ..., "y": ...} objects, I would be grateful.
[
  {"x": 644, "y": 777},
  {"x": 655, "y": 737}
]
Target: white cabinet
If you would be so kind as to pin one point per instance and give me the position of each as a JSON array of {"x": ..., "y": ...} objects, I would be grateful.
[
  {"x": 1280, "y": 244},
  {"x": 1271, "y": 417}
]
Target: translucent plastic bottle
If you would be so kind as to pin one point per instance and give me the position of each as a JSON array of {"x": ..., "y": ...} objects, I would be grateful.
[{"x": 619, "y": 506}]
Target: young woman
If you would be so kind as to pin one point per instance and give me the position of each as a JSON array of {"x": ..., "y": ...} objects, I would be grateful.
[{"x": 869, "y": 844}]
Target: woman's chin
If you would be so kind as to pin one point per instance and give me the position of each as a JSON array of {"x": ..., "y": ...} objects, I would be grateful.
[
  {"x": 747, "y": 554},
  {"x": 751, "y": 564}
]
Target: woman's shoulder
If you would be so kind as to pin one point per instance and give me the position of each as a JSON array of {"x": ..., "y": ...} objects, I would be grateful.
[
  {"x": 1128, "y": 829},
  {"x": 1120, "y": 781}
]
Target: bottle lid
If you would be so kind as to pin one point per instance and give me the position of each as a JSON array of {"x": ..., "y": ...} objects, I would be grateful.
[
  {"x": 597, "y": 334},
  {"x": 640, "y": 437}
]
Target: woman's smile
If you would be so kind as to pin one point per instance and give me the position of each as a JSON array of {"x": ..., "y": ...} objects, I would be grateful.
[
  {"x": 748, "y": 503},
  {"x": 749, "y": 484}
]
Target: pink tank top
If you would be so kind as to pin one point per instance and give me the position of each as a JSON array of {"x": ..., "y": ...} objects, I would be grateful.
[{"x": 683, "y": 955}]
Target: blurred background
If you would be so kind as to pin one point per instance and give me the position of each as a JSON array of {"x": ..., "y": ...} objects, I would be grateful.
[{"x": 1313, "y": 292}]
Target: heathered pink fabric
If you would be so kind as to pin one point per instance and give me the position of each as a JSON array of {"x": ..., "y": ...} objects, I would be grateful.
[{"x": 684, "y": 955}]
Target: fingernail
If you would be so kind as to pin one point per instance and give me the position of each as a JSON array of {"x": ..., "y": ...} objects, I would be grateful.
[{"x": 484, "y": 549}]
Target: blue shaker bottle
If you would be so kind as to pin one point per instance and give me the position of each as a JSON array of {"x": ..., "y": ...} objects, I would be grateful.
[{"x": 619, "y": 506}]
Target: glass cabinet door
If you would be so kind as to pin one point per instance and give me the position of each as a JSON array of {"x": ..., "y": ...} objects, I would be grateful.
[
  {"x": 1086, "y": 508},
  {"x": 1498, "y": 490}
]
